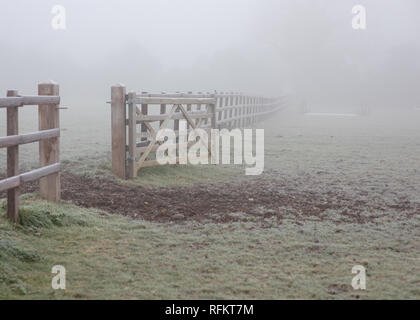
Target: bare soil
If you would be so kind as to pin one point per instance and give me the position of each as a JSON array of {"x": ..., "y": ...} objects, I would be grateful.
[{"x": 259, "y": 198}]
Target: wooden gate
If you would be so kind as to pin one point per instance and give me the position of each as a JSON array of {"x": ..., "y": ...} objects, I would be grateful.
[
  {"x": 137, "y": 118},
  {"x": 179, "y": 108}
]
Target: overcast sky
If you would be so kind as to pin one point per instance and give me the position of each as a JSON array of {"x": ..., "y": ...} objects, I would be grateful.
[{"x": 304, "y": 47}]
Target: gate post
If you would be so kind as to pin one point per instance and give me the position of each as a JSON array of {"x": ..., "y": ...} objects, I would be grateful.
[
  {"x": 118, "y": 131},
  {"x": 49, "y": 149}
]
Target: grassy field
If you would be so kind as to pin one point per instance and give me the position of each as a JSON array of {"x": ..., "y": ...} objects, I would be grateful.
[
  {"x": 113, "y": 257},
  {"x": 371, "y": 161}
]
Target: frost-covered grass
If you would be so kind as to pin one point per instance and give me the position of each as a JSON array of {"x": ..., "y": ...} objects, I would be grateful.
[
  {"x": 158, "y": 176},
  {"x": 372, "y": 159},
  {"x": 113, "y": 257}
]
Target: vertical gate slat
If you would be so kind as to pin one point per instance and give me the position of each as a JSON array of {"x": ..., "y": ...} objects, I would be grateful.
[
  {"x": 132, "y": 125},
  {"x": 145, "y": 111}
]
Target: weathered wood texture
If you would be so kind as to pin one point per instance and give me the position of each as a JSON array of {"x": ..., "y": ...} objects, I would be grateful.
[
  {"x": 132, "y": 125},
  {"x": 13, "y": 159},
  {"x": 15, "y": 140},
  {"x": 118, "y": 132},
  {"x": 17, "y": 101},
  {"x": 29, "y": 176},
  {"x": 49, "y": 149}
]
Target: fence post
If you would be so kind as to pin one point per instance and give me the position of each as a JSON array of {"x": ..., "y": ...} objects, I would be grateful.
[
  {"x": 244, "y": 109},
  {"x": 231, "y": 110},
  {"x": 248, "y": 111},
  {"x": 220, "y": 105},
  {"x": 241, "y": 109},
  {"x": 225, "y": 114},
  {"x": 235, "y": 122},
  {"x": 13, "y": 159},
  {"x": 144, "y": 111},
  {"x": 198, "y": 109},
  {"x": 162, "y": 111},
  {"x": 189, "y": 106},
  {"x": 132, "y": 145},
  {"x": 213, "y": 111},
  {"x": 214, "y": 143},
  {"x": 118, "y": 116},
  {"x": 49, "y": 149}
]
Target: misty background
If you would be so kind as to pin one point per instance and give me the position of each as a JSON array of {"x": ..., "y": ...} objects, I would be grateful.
[{"x": 306, "y": 48}]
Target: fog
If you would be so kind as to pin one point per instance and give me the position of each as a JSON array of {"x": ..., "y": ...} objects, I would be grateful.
[
  {"x": 318, "y": 195},
  {"x": 304, "y": 48}
]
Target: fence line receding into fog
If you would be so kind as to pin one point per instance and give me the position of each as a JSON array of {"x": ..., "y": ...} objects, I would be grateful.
[{"x": 132, "y": 147}]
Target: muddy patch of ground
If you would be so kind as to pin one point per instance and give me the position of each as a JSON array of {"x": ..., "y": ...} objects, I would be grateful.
[{"x": 259, "y": 200}]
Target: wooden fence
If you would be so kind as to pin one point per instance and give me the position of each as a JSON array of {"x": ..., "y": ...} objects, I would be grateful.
[
  {"x": 131, "y": 148},
  {"x": 48, "y": 101}
]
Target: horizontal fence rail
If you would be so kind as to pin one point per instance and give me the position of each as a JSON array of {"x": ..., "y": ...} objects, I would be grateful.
[
  {"x": 28, "y": 100},
  {"x": 10, "y": 141},
  {"x": 137, "y": 117},
  {"x": 33, "y": 175},
  {"x": 48, "y": 174},
  {"x": 171, "y": 100}
]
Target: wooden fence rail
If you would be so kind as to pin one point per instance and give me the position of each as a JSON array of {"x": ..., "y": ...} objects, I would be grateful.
[
  {"x": 48, "y": 101},
  {"x": 131, "y": 148}
]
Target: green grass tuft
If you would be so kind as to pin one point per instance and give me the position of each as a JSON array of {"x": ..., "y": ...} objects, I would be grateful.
[
  {"x": 9, "y": 249},
  {"x": 43, "y": 218}
]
